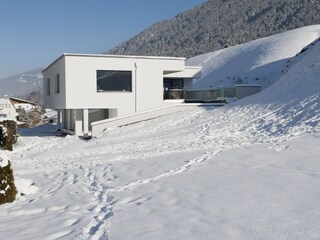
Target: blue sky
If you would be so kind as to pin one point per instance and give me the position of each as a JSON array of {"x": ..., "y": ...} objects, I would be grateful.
[{"x": 35, "y": 32}]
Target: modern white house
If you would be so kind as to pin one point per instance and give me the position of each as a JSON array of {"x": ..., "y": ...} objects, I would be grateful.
[
  {"x": 7, "y": 109},
  {"x": 89, "y": 88}
]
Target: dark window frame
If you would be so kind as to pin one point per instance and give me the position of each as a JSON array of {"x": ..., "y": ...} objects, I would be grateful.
[
  {"x": 58, "y": 83},
  {"x": 48, "y": 87},
  {"x": 120, "y": 81}
]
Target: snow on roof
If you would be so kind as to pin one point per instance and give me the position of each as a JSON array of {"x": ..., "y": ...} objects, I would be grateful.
[
  {"x": 3, "y": 101},
  {"x": 22, "y": 101}
]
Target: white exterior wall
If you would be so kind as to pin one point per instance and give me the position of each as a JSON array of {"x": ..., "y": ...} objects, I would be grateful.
[
  {"x": 78, "y": 78},
  {"x": 147, "y": 83},
  {"x": 9, "y": 110},
  {"x": 55, "y": 100},
  {"x": 81, "y": 85},
  {"x": 24, "y": 106}
]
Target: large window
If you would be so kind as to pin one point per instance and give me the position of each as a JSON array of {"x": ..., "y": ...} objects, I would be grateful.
[{"x": 117, "y": 81}]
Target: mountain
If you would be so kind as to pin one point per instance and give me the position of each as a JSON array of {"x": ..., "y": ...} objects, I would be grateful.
[
  {"x": 221, "y": 23},
  {"x": 247, "y": 170},
  {"x": 261, "y": 62},
  {"x": 21, "y": 84}
]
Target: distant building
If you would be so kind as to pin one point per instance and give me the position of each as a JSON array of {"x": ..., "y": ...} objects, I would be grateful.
[
  {"x": 88, "y": 88},
  {"x": 7, "y": 109},
  {"x": 23, "y": 104}
]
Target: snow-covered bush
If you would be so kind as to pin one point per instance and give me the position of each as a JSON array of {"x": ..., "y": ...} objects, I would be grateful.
[
  {"x": 7, "y": 187},
  {"x": 8, "y": 134},
  {"x": 30, "y": 119}
]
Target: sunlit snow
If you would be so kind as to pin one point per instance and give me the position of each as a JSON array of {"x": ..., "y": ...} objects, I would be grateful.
[{"x": 247, "y": 170}]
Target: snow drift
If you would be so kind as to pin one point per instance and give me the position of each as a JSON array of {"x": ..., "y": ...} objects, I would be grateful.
[{"x": 262, "y": 61}]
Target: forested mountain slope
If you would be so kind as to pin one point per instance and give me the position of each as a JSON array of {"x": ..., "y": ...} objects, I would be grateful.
[{"x": 220, "y": 23}]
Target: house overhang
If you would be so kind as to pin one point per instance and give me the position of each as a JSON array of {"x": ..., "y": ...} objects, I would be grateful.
[{"x": 188, "y": 72}]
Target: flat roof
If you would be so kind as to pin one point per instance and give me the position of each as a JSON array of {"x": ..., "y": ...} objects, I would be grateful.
[{"x": 113, "y": 56}]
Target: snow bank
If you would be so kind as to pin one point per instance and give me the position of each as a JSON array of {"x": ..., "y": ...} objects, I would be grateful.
[
  {"x": 50, "y": 114},
  {"x": 7, "y": 119},
  {"x": 4, "y": 160},
  {"x": 25, "y": 186},
  {"x": 257, "y": 62}
]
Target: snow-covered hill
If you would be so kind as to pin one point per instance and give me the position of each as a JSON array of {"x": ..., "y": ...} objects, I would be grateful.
[
  {"x": 258, "y": 62},
  {"x": 248, "y": 170},
  {"x": 21, "y": 84}
]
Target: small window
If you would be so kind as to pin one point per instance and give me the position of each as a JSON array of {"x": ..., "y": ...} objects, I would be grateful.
[
  {"x": 58, "y": 83},
  {"x": 48, "y": 86},
  {"x": 114, "y": 81}
]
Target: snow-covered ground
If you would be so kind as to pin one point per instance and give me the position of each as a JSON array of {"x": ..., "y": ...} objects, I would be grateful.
[
  {"x": 261, "y": 62},
  {"x": 248, "y": 170}
]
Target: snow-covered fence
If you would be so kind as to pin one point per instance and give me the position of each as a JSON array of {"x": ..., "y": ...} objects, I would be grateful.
[{"x": 221, "y": 94}]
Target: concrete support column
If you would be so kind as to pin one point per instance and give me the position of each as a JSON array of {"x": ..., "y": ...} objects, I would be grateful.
[
  {"x": 59, "y": 119},
  {"x": 85, "y": 122},
  {"x": 63, "y": 119},
  {"x": 68, "y": 119},
  {"x": 78, "y": 122}
]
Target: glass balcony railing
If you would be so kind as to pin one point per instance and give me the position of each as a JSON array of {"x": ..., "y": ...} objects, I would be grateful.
[{"x": 206, "y": 95}]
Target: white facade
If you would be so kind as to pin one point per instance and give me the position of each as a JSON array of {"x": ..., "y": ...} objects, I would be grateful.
[
  {"x": 7, "y": 110},
  {"x": 24, "y": 106},
  {"x": 70, "y": 86}
]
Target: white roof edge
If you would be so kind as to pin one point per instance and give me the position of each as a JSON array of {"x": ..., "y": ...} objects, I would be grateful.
[
  {"x": 248, "y": 85},
  {"x": 22, "y": 100},
  {"x": 113, "y": 56},
  {"x": 124, "y": 56},
  {"x": 193, "y": 67}
]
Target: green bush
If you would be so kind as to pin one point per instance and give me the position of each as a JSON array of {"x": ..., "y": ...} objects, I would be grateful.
[
  {"x": 8, "y": 189},
  {"x": 8, "y": 134}
]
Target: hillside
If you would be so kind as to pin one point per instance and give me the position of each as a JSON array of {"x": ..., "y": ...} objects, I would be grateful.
[
  {"x": 219, "y": 23},
  {"x": 261, "y": 62},
  {"x": 21, "y": 84},
  {"x": 248, "y": 170}
]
